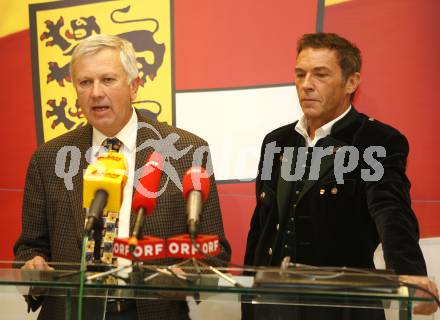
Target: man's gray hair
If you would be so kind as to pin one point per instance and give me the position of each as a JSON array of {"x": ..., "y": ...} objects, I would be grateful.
[{"x": 96, "y": 43}]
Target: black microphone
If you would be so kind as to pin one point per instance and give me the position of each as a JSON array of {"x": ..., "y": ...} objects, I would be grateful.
[{"x": 95, "y": 211}]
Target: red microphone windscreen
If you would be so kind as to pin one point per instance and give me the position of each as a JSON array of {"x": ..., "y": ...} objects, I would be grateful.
[
  {"x": 196, "y": 178},
  {"x": 148, "y": 186}
]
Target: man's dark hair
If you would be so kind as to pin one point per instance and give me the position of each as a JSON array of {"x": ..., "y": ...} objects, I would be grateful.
[{"x": 349, "y": 56}]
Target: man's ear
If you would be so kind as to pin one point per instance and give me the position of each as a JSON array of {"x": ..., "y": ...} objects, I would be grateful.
[
  {"x": 134, "y": 86},
  {"x": 353, "y": 82}
]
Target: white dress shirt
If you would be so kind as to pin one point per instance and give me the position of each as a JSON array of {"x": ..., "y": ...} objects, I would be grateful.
[{"x": 322, "y": 132}]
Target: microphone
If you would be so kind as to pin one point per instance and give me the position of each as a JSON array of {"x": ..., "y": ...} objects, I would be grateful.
[
  {"x": 195, "y": 191},
  {"x": 144, "y": 200},
  {"x": 103, "y": 187}
]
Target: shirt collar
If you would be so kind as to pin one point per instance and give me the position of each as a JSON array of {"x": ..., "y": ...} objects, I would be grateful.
[
  {"x": 125, "y": 135},
  {"x": 323, "y": 131}
]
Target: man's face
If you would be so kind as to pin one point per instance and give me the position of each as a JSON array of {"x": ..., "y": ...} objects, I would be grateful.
[
  {"x": 104, "y": 93},
  {"x": 323, "y": 92}
]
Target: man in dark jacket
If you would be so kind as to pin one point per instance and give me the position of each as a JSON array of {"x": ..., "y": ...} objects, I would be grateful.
[{"x": 332, "y": 185}]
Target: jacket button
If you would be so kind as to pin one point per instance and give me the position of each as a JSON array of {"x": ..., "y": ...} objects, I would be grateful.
[
  {"x": 334, "y": 190},
  {"x": 322, "y": 191},
  {"x": 270, "y": 251},
  {"x": 278, "y": 226},
  {"x": 262, "y": 195}
]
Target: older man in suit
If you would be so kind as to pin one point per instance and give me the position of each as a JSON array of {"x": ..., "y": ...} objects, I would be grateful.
[
  {"x": 316, "y": 209},
  {"x": 104, "y": 74}
]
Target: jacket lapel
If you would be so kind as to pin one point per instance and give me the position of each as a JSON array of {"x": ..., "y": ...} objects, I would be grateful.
[
  {"x": 142, "y": 153},
  {"x": 341, "y": 135},
  {"x": 84, "y": 142}
]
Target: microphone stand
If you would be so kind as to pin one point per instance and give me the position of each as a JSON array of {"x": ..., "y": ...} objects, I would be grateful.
[
  {"x": 107, "y": 273},
  {"x": 215, "y": 270},
  {"x": 197, "y": 263},
  {"x": 97, "y": 238},
  {"x": 82, "y": 274},
  {"x": 83, "y": 268},
  {"x": 136, "y": 275},
  {"x": 168, "y": 271}
]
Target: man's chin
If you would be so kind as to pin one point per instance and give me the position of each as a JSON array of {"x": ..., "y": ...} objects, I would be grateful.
[
  {"x": 311, "y": 113},
  {"x": 105, "y": 126}
]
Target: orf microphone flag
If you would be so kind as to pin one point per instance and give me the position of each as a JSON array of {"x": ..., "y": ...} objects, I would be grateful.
[
  {"x": 103, "y": 186},
  {"x": 144, "y": 200},
  {"x": 149, "y": 248},
  {"x": 195, "y": 191}
]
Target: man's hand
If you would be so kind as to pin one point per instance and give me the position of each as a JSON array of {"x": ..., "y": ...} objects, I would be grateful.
[
  {"x": 37, "y": 263},
  {"x": 35, "y": 296},
  {"x": 424, "y": 308}
]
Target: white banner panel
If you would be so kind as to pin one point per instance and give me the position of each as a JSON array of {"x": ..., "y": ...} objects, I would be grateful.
[{"x": 234, "y": 122}]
